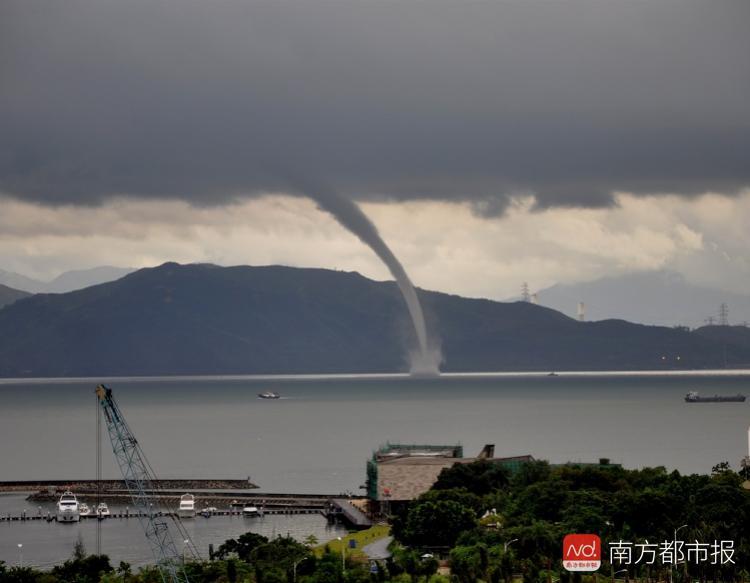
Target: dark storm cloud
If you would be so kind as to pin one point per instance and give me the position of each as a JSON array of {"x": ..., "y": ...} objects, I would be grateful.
[{"x": 468, "y": 100}]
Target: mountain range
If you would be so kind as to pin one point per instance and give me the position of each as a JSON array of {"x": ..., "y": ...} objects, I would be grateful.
[
  {"x": 205, "y": 319},
  {"x": 663, "y": 298},
  {"x": 65, "y": 282},
  {"x": 8, "y": 295},
  {"x": 657, "y": 297}
]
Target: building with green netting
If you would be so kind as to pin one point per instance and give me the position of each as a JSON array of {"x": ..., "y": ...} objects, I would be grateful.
[{"x": 401, "y": 472}]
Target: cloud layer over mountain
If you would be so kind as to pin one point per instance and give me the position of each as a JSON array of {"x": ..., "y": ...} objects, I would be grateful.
[{"x": 478, "y": 101}]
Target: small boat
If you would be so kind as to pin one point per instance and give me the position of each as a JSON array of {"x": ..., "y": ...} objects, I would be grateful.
[
  {"x": 250, "y": 511},
  {"x": 552, "y": 374},
  {"x": 102, "y": 510},
  {"x": 694, "y": 397},
  {"x": 83, "y": 509},
  {"x": 269, "y": 395},
  {"x": 67, "y": 508},
  {"x": 187, "y": 506}
]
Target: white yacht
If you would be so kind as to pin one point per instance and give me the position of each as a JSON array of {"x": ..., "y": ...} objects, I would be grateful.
[
  {"x": 187, "y": 506},
  {"x": 269, "y": 395},
  {"x": 250, "y": 511},
  {"x": 67, "y": 508},
  {"x": 83, "y": 509},
  {"x": 102, "y": 511}
]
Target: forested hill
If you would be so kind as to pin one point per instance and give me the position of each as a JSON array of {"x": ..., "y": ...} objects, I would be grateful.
[{"x": 204, "y": 319}]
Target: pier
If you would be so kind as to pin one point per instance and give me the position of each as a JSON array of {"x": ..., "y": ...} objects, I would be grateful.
[
  {"x": 344, "y": 510},
  {"x": 49, "y": 516},
  {"x": 224, "y": 497},
  {"x": 218, "y": 499}
]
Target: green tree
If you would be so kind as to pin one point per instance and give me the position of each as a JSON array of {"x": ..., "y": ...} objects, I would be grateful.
[
  {"x": 721, "y": 468},
  {"x": 460, "y": 495},
  {"x": 280, "y": 553},
  {"x": 124, "y": 569},
  {"x": 86, "y": 570},
  {"x": 231, "y": 571},
  {"x": 79, "y": 550},
  {"x": 543, "y": 500},
  {"x": 468, "y": 564},
  {"x": 242, "y": 547},
  {"x": 18, "y": 575},
  {"x": 407, "y": 561},
  {"x": 480, "y": 477},
  {"x": 327, "y": 569},
  {"x": 437, "y": 524},
  {"x": 530, "y": 473}
]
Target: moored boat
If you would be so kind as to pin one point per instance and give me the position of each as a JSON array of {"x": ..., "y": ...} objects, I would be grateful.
[
  {"x": 67, "y": 508},
  {"x": 187, "y": 506},
  {"x": 269, "y": 395},
  {"x": 83, "y": 509},
  {"x": 209, "y": 511},
  {"x": 102, "y": 510},
  {"x": 250, "y": 511}
]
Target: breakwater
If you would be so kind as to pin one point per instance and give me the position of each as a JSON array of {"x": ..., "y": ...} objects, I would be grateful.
[{"x": 53, "y": 487}]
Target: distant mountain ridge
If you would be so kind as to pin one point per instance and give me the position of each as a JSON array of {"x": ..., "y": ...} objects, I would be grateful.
[
  {"x": 65, "y": 282},
  {"x": 204, "y": 319},
  {"x": 662, "y": 298},
  {"x": 8, "y": 295},
  {"x": 20, "y": 282}
]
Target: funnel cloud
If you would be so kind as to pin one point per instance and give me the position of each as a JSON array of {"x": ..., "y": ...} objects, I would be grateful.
[{"x": 426, "y": 359}]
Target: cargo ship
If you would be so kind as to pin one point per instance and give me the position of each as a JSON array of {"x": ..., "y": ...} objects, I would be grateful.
[{"x": 694, "y": 397}]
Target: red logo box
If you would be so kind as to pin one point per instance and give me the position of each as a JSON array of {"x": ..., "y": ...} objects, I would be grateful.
[{"x": 582, "y": 552}]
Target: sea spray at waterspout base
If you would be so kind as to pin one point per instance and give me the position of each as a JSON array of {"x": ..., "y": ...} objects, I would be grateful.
[{"x": 426, "y": 360}]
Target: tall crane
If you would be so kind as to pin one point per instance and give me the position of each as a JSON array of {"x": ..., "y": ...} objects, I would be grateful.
[{"x": 140, "y": 481}]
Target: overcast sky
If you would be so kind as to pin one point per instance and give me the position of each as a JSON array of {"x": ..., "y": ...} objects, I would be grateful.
[{"x": 492, "y": 142}]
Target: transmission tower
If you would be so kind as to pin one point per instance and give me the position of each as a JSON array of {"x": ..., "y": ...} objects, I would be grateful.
[
  {"x": 140, "y": 481},
  {"x": 723, "y": 314},
  {"x": 525, "y": 295}
]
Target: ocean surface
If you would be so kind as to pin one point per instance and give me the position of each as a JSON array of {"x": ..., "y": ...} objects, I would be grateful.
[{"x": 317, "y": 438}]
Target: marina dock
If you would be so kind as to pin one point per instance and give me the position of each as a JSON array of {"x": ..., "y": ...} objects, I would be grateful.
[
  {"x": 224, "y": 497},
  {"x": 49, "y": 516}
]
